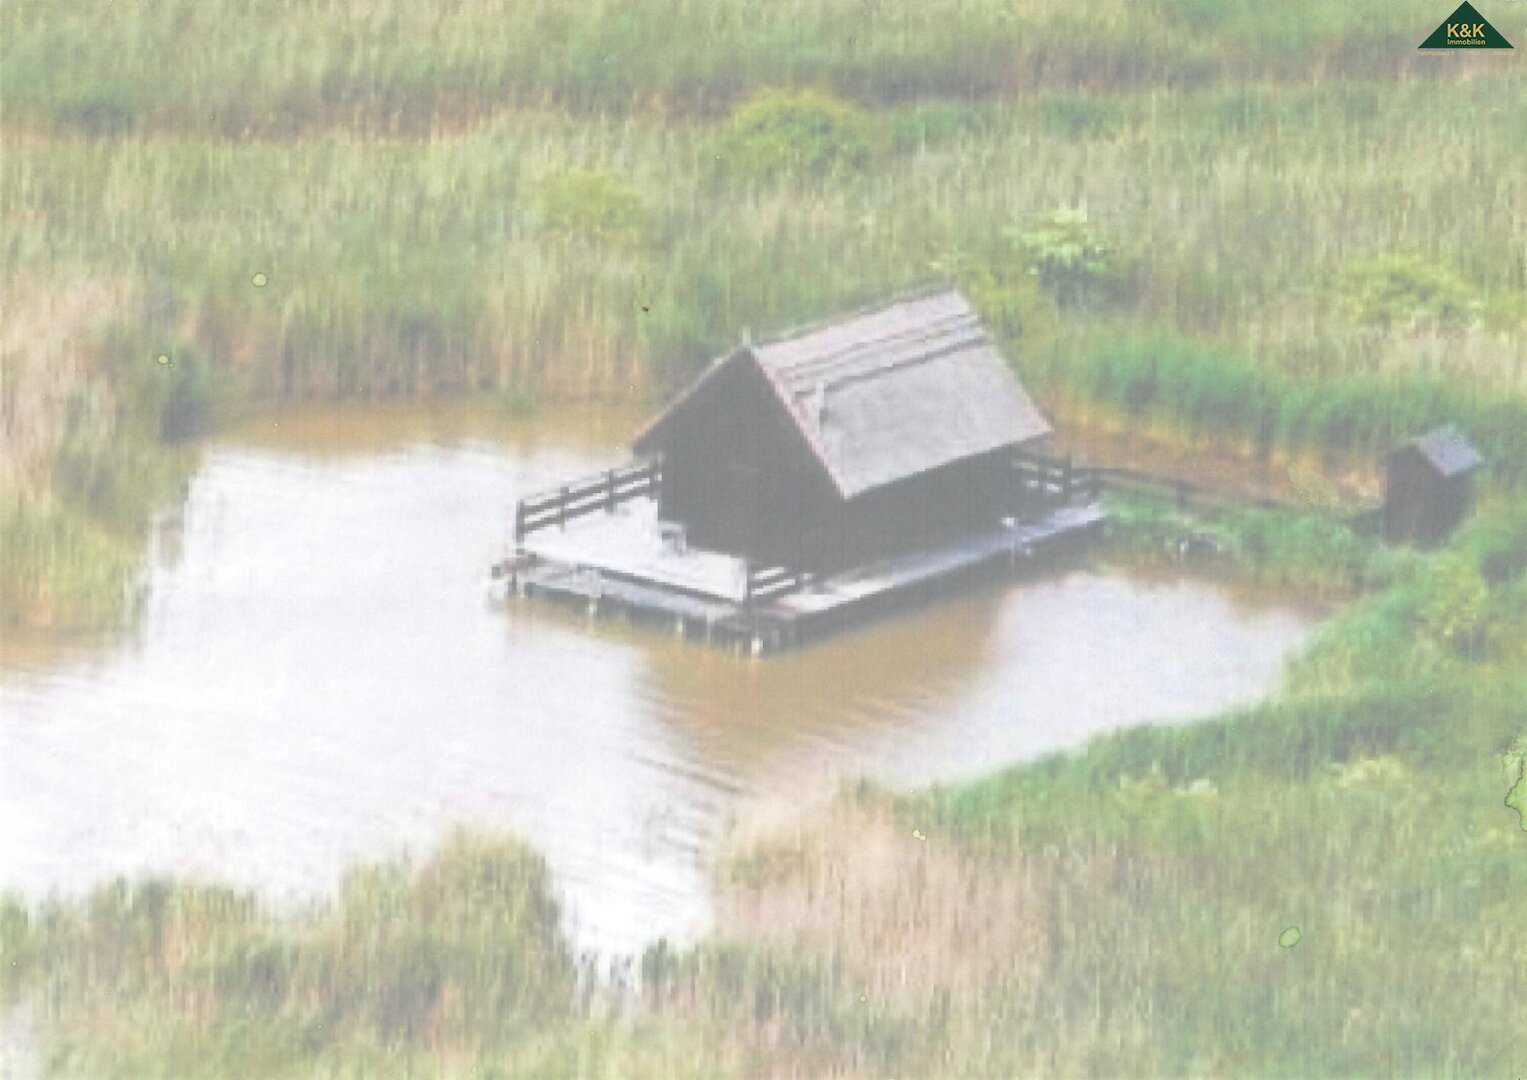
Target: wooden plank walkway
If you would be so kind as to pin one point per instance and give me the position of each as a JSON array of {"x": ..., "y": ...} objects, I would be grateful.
[
  {"x": 615, "y": 569},
  {"x": 910, "y": 571},
  {"x": 626, "y": 542}
]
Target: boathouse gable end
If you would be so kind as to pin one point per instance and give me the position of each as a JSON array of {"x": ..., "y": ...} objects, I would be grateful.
[
  {"x": 737, "y": 474},
  {"x": 1429, "y": 487},
  {"x": 845, "y": 439}
]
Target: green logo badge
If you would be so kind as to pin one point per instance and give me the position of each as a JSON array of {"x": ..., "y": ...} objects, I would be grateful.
[{"x": 1466, "y": 29}]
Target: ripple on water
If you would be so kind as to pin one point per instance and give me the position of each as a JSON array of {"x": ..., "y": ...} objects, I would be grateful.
[{"x": 316, "y": 679}]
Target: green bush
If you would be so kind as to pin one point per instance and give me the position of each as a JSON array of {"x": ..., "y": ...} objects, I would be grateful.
[
  {"x": 1496, "y": 539},
  {"x": 595, "y": 205},
  {"x": 1504, "y": 631},
  {"x": 1072, "y": 258},
  {"x": 1406, "y": 290},
  {"x": 1449, "y": 603},
  {"x": 1304, "y": 552},
  {"x": 801, "y": 132}
]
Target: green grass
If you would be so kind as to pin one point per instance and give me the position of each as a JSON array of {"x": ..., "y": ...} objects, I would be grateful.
[
  {"x": 70, "y": 560},
  {"x": 1276, "y": 223},
  {"x": 460, "y": 264},
  {"x": 1113, "y": 910},
  {"x": 598, "y": 218},
  {"x": 1341, "y": 415},
  {"x": 1153, "y": 874},
  {"x": 1301, "y": 554},
  {"x": 453, "y": 967},
  {"x": 59, "y": 571},
  {"x": 283, "y": 67}
]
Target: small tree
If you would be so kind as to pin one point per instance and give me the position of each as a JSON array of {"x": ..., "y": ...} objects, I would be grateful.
[{"x": 1071, "y": 258}]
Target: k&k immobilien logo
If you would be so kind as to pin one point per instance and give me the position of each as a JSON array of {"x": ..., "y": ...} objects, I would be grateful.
[{"x": 1466, "y": 29}]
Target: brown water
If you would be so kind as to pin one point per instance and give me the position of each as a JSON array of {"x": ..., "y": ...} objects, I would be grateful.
[{"x": 324, "y": 673}]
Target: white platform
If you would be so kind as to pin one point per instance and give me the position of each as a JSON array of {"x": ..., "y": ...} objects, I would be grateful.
[{"x": 627, "y": 542}]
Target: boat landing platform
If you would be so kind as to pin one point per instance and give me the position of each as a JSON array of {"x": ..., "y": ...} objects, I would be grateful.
[{"x": 618, "y": 564}]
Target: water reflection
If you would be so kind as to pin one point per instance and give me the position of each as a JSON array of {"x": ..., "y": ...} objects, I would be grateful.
[{"x": 324, "y": 674}]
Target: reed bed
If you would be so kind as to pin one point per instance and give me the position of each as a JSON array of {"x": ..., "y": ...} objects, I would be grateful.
[
  {"x": 1304, "y": 553},
  {"x": 454, "y": 966},
  {"x": 282, "y": 67},
  {"x": 57, "y": 570},
  {"x": 554, "y": 203},
  {"x": 1297, "y": 233},
  {"x": 455, "y": 264},
  {"x": 1326, "y": 884},
  {"x": 1341, "y": 415}
]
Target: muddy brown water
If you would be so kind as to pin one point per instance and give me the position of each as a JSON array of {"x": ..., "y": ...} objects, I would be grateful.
[{"x": 324, "y": 673}]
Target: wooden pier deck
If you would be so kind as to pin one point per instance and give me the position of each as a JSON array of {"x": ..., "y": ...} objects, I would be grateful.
[
  {"x": 617, "y": 564},
  {"x": 626, "y": 542}
]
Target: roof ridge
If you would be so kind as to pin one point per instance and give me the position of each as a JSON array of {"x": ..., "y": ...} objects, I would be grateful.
[
  {"x": 925, "y": 330},
  {"x": 915, "y": 292},
  {"x": 914, "y": 390},
  {"x": 832, "y": 382}
]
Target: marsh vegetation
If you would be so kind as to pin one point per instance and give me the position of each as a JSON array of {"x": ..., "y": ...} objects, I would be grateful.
[
  {"x": 1273, "y": 226},
  {"x": 1125, "y": 907},
  {"x": 573, "y": 203}
]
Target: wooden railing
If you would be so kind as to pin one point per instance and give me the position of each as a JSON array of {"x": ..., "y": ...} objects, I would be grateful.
[
  {"x": 1186, "y": 494},
  {"x": 602, "y": 492},
  {"x": 1043, "y": 482},
  {"x": 1059, "y": 480},
  {"x": 765, "y": 582}
]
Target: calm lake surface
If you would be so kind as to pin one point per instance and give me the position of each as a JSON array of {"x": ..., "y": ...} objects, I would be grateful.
[{"x": 324, "y": 673}]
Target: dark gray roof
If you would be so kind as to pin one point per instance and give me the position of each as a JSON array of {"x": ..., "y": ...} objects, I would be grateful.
[
  {"x": 891, "y": 392},
  {"x": 1448, "y": 451}
]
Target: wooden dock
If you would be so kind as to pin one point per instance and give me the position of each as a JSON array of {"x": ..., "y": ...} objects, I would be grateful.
[{"x": 617, "y": 564}]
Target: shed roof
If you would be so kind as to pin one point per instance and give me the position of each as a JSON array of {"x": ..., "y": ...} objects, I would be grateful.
[
  {"x": 1448, "y": 451},
  {"x": 887, "y": 393}
]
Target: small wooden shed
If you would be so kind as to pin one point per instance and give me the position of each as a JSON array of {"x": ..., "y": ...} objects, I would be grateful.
[
  {"x": 1429, "y": 487},
  {"x": 848, "y": 440}
]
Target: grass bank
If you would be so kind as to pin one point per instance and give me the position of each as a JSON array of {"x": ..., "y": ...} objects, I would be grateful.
[
  {"x": 1200, "y": 391},
  {"x": 600, "y": 256},
  {"x": 1276, "y": 224},
  {"x": 453, "y": 967},
  {"x": 1195, "y": 210},
  {"x": 1328, "y": 883},
  {"x": 285, "y": 67},
  {"x": 91, "y": 447}
]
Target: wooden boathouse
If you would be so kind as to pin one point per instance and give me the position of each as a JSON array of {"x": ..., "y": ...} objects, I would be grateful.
[
  {"x": 800, "y": 484},
  {"x": 888, "y": 431},
  {"x": 1429, "y": 487}
]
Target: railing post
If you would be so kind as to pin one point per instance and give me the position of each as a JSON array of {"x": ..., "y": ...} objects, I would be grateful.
[
  {"x": 609, "y": 492},
  {"x": 519, "y": 523},
  {"x": 562, "y": 507}
]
